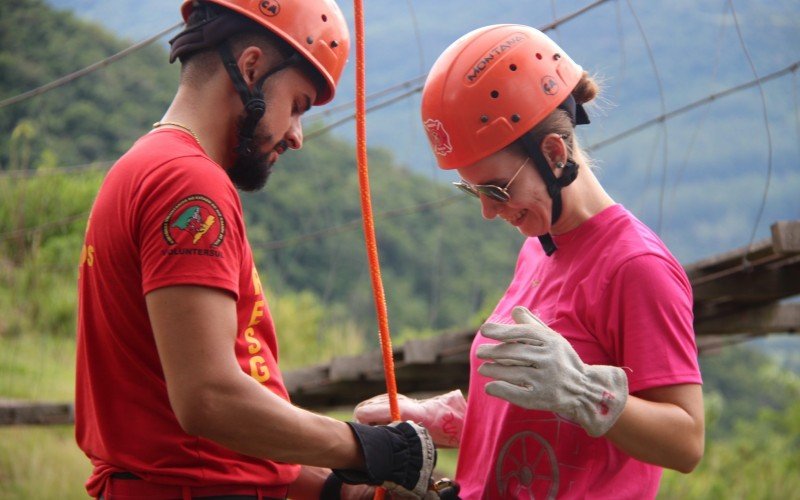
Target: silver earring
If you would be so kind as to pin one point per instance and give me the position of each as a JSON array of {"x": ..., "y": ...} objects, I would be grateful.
[{"x": 559, "y": 164}]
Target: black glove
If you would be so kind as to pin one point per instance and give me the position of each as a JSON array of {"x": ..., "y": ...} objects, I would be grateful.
[{"x": 400, "y": 454}]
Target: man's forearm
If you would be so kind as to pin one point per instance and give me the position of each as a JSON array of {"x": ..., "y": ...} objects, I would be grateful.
[{"x": 241, "y": 415}]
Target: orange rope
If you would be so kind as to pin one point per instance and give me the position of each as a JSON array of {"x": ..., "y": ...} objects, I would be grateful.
[
  {"x": 366, "y": 210},
  {"x": 369, "y": 223}
]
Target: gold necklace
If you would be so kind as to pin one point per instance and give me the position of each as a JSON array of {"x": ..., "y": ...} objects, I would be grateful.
[{"x": 180, "y": 126}]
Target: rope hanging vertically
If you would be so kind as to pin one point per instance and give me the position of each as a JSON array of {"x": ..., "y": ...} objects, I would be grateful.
[
  {"x": 366, "y": 211},
  {"x": 369, "y": 222}
]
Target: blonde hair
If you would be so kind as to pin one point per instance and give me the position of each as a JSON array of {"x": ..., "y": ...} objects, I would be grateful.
[{"x": 559, "y": 122}]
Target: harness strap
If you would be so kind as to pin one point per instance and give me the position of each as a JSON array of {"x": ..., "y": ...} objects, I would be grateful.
[{"x": 553, "y": 184}]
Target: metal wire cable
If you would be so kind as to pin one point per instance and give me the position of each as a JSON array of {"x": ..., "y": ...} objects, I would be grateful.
[
  {"x": 796, "y": 107},
  {"x": 330, "y": 110},
  {"x": 351, "y": 117},
  {"x": 663, "y": 110},
  {"x": 34, "y": 172},
  {"x": 355, "y": 223},
  {"x": 688, "y": 107},
  {"x": 763, "y": 204},
  {"x": 623, "y": 57},
  {"x": 706, "y": 111},
  {"x": 87, "y": 70},
  {"x": 16, "y": 233},
  {"x": 416, "y": 81}
]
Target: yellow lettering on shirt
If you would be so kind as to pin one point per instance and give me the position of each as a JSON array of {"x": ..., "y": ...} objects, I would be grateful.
[
  {"x": 259, "y": 369},
  {"x": 254, "y": 346},
  {"x": 256, "y": 282},
  {"x": 258, "y": 365},
  {"x": 87, "y": 256},
  {"x": 258, "y": 313}
]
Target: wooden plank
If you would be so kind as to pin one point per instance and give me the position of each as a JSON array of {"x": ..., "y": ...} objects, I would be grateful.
[
  {"x": 435, "y": 349},
  {"x": 786, "y": 236},
  {"x": 361, "y": 367},
  {"x": 772, "y": 318},
  {"x": 784, "y": 242},
  {"x": 35, "y": 413},
  {"x": 729, "y": 259},
  {"x": 305, "y": 377},
  {"x": 758, "y": 285}
]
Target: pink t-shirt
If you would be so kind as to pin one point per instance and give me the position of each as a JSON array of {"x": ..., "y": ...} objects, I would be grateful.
[
  {"x": 166, "y": 215},
  {"x": 616, "y": 293}
]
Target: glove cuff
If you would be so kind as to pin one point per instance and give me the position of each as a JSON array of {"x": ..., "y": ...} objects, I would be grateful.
[
  {"x": 604, "y": 399},
  {"x": 332, "y": 488},
  {"x": 401, "y": 453}
]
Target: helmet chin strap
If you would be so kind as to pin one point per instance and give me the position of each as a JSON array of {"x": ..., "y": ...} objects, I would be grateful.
[
  {"x": 553, "y": 184},
  {"x": 569, "y": 171},
  {"x": 253, "y": 99}
]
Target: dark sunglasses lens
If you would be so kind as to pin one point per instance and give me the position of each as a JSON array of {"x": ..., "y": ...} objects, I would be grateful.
[
  {"x": 494, "y": 192},
  {"x": 466, "y": 188}
]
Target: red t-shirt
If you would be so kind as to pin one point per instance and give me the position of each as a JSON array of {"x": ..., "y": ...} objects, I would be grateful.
[
  {"x": 616, "y": 293},
  {"x": 165, "y": 215}
]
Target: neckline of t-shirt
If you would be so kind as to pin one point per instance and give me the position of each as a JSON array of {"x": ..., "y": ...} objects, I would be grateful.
[
  {"x": 185, "y": 135},
  {"x": 588, "y": 226}
]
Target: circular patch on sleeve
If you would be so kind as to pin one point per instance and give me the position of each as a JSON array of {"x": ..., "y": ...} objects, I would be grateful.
[{"x": 195, "y": 220}]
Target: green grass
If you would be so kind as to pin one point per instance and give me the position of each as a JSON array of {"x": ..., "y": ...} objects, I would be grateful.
[
  {"x": 759, "y": 459},
  {"x": 41, "y": 462},
  {"x": 37, "y": 367}
]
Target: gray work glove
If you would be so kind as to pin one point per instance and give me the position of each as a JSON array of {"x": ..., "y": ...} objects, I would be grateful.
[{"x": 536, "y": 368}]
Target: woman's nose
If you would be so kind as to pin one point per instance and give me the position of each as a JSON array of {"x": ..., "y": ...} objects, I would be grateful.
[{"x": 489, "y": 207}]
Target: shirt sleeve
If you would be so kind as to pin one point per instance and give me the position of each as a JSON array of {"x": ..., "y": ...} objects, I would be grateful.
[
  {"x": 188, "y": 222},
  {"x": 648, "y": 323}
]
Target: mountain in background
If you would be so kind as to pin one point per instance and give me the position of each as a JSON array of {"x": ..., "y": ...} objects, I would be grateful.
[
  {"x": 305, "y": 227},
  {"x": 702, "y": 191},
  {"x": 443, "y": 266}
]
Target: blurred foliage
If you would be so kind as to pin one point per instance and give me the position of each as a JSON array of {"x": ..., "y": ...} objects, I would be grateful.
[
  {"x": 92, "y": 118},
  {"x": 441, "y": 263},
  {"x": 42, "y": 219},
  {"x": 740, "y": 370},
  {"x": 759, "y": 458}
]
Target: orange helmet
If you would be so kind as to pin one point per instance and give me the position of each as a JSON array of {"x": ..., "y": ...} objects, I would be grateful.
[
  {"x": 489, "y": 88},
  {"x": 314, "y": 28}
]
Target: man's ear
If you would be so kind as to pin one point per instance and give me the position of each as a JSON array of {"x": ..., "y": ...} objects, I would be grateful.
[
  {"x": 554, "y": 150},
  {"x": 249, "y": 61}
]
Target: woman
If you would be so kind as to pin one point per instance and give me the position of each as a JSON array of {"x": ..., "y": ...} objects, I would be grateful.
[{"x": 584, "y": 381}]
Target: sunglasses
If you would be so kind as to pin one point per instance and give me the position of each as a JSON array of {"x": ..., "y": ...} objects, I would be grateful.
[{"x": 496, "y": 193}]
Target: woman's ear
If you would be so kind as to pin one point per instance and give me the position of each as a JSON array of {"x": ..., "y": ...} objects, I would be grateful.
[{"x": 554, "y": 150}]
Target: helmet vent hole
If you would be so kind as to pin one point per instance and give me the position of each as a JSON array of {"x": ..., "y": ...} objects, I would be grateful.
[
  {"x": 484, "y": 119},
  {"x": 310, "y": 40},
  {"x": 513, "y": 67},
  {"x": 515, "y": 118},
  {"x": 495, "y": 94},
  {"x": 324, "y": 18},
  {"x": 334, "y": 44},
  {"x": 538, "y": 56}
]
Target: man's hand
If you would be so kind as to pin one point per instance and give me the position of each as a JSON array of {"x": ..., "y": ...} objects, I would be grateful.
[
  {"x": 536, "y": 368},
  {"x": 357, "y": 492},
  {"x": 442, "y": 416},
  {"x": 400, "y": 454}
]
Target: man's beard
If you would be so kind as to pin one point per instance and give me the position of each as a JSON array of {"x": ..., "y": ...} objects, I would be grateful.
[{"x": 250, "y": 171}]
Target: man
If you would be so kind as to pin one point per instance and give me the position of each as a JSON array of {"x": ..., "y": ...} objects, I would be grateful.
[{"x": 178, "y": 391}]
